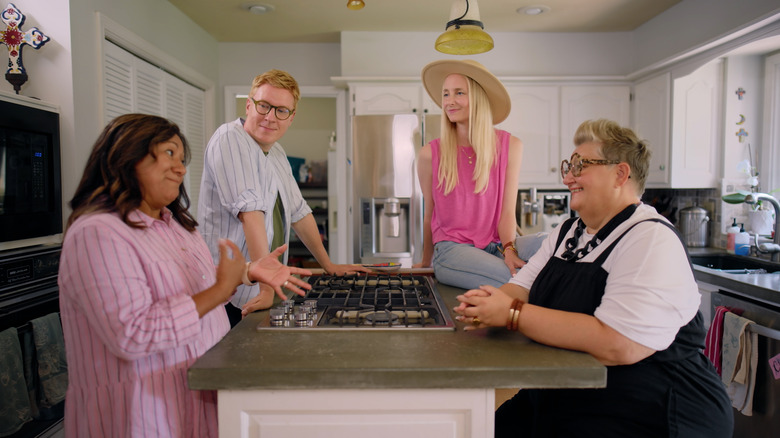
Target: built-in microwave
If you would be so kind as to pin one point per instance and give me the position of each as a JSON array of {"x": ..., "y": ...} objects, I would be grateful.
[{"x": 30, "y": 181}]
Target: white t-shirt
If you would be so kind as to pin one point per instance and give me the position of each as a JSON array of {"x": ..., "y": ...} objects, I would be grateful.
[{"x": 650, "y": 293}]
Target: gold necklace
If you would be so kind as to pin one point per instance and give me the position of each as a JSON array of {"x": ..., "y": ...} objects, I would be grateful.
[{"x": 469, "y": 156}]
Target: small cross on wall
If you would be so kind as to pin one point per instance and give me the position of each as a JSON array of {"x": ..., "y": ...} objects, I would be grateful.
[
  {"x": 14, "y": 39},
  {"x": 740, "y": 93}
]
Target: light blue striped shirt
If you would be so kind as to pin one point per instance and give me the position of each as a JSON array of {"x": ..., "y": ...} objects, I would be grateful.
[{"x": 239, "y": 177}]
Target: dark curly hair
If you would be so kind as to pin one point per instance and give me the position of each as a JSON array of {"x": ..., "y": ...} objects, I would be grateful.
[{"x": 110, "y": 183}]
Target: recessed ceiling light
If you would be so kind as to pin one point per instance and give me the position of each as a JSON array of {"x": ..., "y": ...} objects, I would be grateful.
[
  {"x": 533, "y": 10},
  {"x": 259, "y": 9}
]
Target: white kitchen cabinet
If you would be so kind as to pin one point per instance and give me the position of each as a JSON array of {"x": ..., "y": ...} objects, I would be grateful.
[
  {"x": 696, "y": 118},
  {"x": 651, "y": 122},
  {"x": 391, "y": 98},
  {"x": 383, "y": 413},
  {"x": 535, "y": 119},
  {"x": 588, "y": 102}
]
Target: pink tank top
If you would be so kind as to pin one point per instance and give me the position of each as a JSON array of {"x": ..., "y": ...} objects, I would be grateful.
[{"x": 463, "y": 216}]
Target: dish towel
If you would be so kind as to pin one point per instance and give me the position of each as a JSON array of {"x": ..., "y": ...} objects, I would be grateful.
[
  {"x": 712, "y": 346},
  {"x": 739, "y": 357},
  {"x": 14, "y": 403},
  {"x": 50, "y": 352}
]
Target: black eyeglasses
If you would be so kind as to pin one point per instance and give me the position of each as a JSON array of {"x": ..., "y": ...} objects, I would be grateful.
[
  {"x": 263, "y": 107},
  {"x": 577, "y": 163}
]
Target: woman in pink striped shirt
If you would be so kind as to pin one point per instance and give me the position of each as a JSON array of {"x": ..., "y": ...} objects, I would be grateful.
[{"x": 140, "y": 297}]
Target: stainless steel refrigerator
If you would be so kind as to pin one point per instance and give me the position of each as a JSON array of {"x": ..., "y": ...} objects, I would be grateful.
[{"x": 387, "y": 203}]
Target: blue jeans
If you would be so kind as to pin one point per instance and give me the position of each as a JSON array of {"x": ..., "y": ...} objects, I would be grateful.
[{"x": 464, "y": 266}]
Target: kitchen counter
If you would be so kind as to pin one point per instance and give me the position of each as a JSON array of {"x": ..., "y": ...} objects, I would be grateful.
[
  {"x": 261, "y": 371},
  {"x": 761, "y": 287},
  {"x": 485, "y": 358}
]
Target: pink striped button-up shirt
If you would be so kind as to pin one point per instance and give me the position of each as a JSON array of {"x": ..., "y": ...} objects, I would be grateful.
[{"x": 131, "y": 328}]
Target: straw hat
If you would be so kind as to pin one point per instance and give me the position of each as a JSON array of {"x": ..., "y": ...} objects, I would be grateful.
[{"x": 434, "y": 74}]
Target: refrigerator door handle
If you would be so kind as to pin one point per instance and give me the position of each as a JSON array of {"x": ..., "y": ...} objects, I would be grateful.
[{"x": 417, "y": 214}]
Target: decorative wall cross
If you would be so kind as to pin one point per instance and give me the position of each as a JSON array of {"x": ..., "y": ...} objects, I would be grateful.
[
  {"x": 740, "y": 93},
  {"x": 741, "y": 134},
  {"x": 14, "y": 38}
]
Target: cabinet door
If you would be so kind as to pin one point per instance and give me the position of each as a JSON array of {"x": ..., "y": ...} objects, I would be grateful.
[
  {"x": 387, "y": 99},
  {"x": 652, "y": 109},
  {"x": 581, "y": 103},
  {"x": 695, "y": 120},
  {"x": 534, "y": 120}
]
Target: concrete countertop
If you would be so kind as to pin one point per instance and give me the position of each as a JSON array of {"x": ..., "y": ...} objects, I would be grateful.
[
  {"x": 761, "y": 287},
  {"x": 485, "y": 358}
]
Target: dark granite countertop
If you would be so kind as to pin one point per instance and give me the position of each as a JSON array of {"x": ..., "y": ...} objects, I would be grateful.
[{"x": 485, "y": 358}]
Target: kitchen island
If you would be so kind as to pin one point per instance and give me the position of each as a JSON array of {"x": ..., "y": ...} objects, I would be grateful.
[{"x": 348, "y": 383}]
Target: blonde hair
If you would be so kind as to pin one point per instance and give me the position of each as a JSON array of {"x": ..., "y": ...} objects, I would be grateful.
[
  {"x": 277, "y": 79},
  {"x": 482, "y": 137}
]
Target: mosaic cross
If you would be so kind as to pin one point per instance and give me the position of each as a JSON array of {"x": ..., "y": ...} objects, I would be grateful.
[
  {"x": 14, "y": 39},
  {"x": 741, "y": 134},
  {"x": 740, "y": 93}
]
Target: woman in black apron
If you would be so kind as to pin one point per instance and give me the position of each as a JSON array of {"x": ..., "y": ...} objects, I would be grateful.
[{"x": 614, "y": 283}]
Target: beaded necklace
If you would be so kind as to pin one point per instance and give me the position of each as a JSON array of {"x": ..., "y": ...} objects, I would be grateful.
[{"x": 572, "y": 254}]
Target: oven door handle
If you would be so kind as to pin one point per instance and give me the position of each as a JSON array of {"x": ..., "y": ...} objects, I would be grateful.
[{"x": 764, "y": 331}]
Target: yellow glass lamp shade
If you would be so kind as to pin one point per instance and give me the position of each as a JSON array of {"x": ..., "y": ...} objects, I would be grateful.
[
  {"x": 463, "y": 34},
  {"x": 355, "y": 4},
  {"x": 466, "y": 40}
]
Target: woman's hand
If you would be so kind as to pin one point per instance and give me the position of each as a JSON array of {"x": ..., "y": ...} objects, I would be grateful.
[
  {"x": 268, "y": 270},
  {"x": 512, "y": 261},
  {"x": 484, "y": 307},
  {"x": 231, "y": 265}
]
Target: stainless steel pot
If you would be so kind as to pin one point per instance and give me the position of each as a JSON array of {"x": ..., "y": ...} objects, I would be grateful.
[{"x": 694, "y": 226}]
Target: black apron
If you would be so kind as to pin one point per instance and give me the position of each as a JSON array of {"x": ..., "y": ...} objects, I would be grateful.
[{"x": 673, "y": 393}]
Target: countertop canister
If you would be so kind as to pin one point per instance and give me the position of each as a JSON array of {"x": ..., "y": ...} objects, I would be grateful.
[{"x": 694, "y": 226}]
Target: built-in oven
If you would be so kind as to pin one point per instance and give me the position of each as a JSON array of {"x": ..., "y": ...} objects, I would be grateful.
[
  {"x": 29, "y": 291},
  {"x": 765, "y": 420}
]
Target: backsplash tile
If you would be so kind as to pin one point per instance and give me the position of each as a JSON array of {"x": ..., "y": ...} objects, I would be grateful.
[{"x": 669, "y": 202}]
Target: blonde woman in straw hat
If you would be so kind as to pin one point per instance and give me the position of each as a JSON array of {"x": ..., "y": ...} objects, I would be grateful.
[{"x": 469, "y": 179}]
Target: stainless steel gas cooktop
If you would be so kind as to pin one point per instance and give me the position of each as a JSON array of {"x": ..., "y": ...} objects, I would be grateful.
[{"x": 363, "y": 302}]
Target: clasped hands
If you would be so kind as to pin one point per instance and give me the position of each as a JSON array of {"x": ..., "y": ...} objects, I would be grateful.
[{"x": 487, "y": 306}]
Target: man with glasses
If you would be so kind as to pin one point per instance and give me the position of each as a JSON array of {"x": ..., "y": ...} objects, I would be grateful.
[{"x": 248, "y": 193}]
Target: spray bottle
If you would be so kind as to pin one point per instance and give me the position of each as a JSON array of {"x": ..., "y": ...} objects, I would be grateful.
[{"x": 732, "y": 232}]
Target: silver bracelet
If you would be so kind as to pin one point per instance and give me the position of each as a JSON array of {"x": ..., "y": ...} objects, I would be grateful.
[{"x": 245, "y": 278}]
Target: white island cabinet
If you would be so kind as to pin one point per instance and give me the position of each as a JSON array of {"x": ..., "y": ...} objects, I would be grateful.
[{"x": 375, "y": 413}]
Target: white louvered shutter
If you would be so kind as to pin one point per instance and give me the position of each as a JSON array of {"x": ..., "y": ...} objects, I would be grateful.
[
  {"x": 132, "y": 85},
  {"x": 117, "y": 82}
]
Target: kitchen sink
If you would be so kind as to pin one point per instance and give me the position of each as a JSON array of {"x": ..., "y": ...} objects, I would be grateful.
[{"x": 734, "y": 264}]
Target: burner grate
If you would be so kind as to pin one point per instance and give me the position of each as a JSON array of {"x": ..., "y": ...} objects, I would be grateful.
[{"x": 384, "y": 301}]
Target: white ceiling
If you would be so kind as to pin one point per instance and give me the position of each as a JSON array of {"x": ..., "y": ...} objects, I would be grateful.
[{"x": 323, "y": 20}]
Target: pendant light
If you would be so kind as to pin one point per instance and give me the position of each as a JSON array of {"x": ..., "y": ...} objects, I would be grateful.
[
  {"x": 355, "y": 4},
  {"x": 464, "y": 34}
]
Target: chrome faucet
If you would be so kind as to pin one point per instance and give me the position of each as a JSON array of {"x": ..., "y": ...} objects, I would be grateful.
[
  {"x": 753, "y": 198},
  {"x": 531, "y": 208}
]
